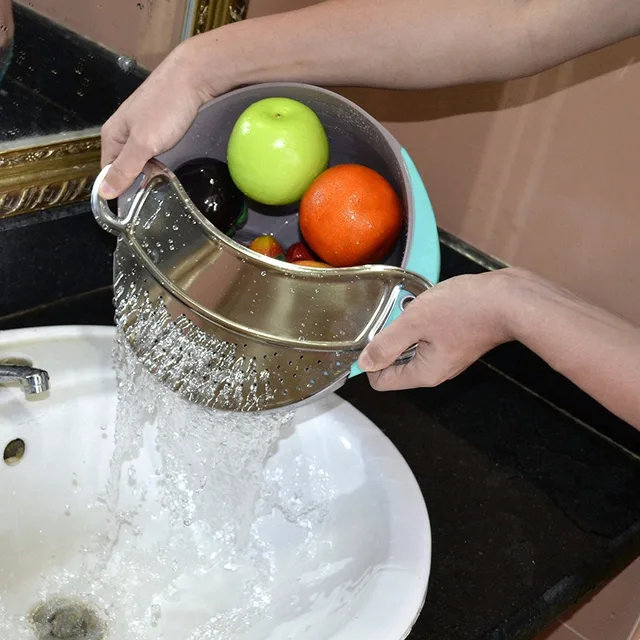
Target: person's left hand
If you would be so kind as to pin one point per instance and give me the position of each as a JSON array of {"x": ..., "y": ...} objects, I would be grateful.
[{"x": 453, "y": 324}]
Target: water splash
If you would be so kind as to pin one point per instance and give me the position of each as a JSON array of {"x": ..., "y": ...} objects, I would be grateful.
[{"x": 202, "y": 368}]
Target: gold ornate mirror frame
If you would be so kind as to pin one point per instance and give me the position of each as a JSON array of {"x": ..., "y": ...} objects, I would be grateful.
[{"x": 57, "y": 171}]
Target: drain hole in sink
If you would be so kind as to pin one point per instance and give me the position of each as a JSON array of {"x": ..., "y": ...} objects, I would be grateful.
[
  {"x": 62, "y": 618},
  {"x": 14, "y": 451}
]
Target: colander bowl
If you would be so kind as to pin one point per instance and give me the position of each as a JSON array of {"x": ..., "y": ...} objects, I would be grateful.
[{"x": 236, "y": 330}]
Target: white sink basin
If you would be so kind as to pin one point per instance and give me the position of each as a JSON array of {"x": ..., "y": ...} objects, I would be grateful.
[{"x": 365, "y": 577}]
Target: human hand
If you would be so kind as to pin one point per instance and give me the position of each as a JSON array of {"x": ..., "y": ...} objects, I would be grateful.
[
  {"x": 454, "y": 324},
  {"x": 155, "y": 117}
]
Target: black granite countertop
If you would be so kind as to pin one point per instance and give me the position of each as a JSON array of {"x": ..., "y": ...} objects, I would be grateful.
[{"x": 533, "y": 489}]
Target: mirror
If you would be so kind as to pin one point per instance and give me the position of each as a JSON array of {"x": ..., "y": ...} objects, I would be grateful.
[{"x": 65, "y": 67}]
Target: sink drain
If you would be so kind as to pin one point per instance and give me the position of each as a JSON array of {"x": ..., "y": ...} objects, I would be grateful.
[{"x": 66, "y": 620}]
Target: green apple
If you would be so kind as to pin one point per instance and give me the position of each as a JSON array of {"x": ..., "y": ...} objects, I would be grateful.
[{"x": 277, "y": 148}]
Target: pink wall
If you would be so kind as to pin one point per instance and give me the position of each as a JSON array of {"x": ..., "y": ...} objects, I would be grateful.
[
  {"x": 541, "y": 172},
  {"x": 143, "y": 29}
]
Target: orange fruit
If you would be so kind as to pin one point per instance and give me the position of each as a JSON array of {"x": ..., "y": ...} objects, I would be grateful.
[{"x": 350, "y": 215}]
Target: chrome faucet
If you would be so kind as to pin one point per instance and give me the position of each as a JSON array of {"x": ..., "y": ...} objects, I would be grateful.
[{"x": 31, "y": 380}]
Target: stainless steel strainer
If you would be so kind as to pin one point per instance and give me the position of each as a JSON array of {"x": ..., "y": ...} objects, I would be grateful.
[{"x": 229, "y": 328}]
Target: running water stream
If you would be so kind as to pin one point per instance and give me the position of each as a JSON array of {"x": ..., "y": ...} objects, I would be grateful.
[{"x": 207, "y": 572}]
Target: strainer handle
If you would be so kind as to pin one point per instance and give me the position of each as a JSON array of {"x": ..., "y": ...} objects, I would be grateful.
[
  {"x": 410, "y": 288},
  {"x": 412, "y": 285},
  {"x": 100, "y": 208}
]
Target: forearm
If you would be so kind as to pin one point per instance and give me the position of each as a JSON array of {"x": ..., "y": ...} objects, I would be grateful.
[
  {"x": 414, "y": 44},
  {"x": 597, "y": 350}
]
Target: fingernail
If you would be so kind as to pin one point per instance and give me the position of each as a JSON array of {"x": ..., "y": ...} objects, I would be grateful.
[
  {"x": 365, "y": 362},
  {"x": 107, "y": 191}
]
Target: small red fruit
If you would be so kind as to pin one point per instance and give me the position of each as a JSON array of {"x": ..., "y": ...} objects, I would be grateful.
[
  {"x": 267, "y": 246},
  {"x": 298, "y": 251},
  {"x": 313, "y": 263}
]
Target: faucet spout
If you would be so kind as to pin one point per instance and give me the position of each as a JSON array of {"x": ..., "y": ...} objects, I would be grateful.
[{"x": 31, "y": 380}]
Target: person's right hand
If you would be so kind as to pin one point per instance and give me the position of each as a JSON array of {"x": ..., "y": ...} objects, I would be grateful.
[
  {"x": 454, "y": 324},
  {"x": 153, "y": 119}
]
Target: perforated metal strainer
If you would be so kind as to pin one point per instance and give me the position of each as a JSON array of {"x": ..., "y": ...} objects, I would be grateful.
[{"x": 232, "y": 329}]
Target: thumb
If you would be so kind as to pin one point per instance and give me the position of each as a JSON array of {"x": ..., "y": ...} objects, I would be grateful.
[
  {"x": 124, "y": 169},
  {"x": 385, "y": 348},
  {"x": 404, "y": 376}
]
